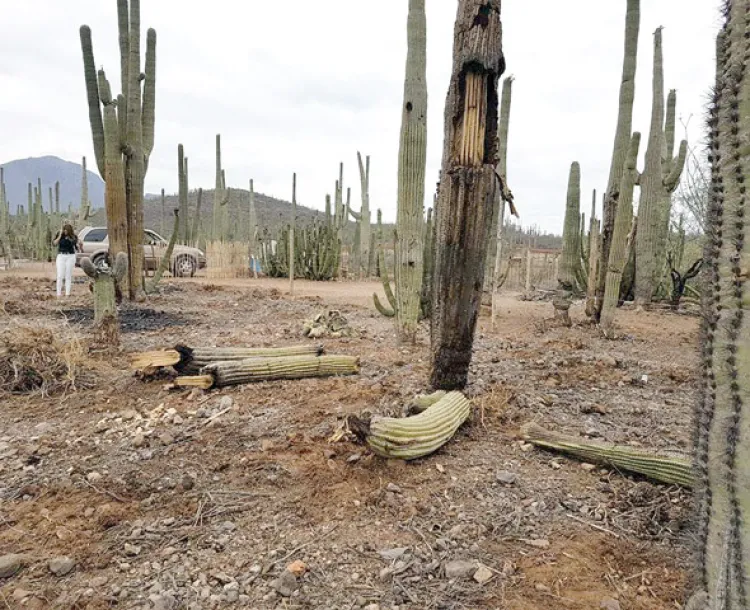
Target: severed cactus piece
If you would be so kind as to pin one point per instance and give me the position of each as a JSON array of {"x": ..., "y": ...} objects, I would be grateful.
[
  {"x": 190, "y": 360},
  {"x": 221, "y": 374},
  {"x": 410, "y": 438},
  {"x": 667, "y": 469}
]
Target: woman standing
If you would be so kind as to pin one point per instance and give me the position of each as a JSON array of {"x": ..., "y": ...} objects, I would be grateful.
[{"x": 67, "y": 243}]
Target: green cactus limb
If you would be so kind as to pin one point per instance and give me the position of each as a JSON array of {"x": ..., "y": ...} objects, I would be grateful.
[
  {"x": 411, "y": 176},
  {"x": 570, "y": 262},
  {"x": 228, "y": 373},
  {"x": 665, "y": 469},
  {"x": 413, "y": 437},
  {"x": 387, "y": 312},
  {"x": 594, "y": 244},
  {"x": 618, "y": 253},
  {"x": 167, "y": 258},
  {"x": 621, "y": 142},
  {"x": 220, "y": 226},
  {"x": 252, "y": 229},
  {"x": 467, "y": 190}
]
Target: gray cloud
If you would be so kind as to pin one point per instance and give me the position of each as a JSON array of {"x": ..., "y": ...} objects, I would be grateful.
[{"x": 299, "y": 86}]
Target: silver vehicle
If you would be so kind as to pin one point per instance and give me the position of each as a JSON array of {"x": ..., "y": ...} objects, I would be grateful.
[{"x": 185, "y": 261}]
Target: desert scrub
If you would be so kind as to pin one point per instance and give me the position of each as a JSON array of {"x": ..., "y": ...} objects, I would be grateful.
[{"x": 43, "y": 361}]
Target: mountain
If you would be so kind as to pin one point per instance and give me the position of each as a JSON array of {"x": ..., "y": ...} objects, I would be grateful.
[
  {"x": 272, "y": 213},
  {"x": 20, "y": 172}
]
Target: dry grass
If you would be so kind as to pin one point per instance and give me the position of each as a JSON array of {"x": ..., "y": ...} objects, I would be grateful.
[
  {"x": 227, "y": 260},
  {"x": 39, "y": 360}
]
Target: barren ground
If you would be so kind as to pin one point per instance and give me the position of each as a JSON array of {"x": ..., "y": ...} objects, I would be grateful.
[{"x": 162, "y": 506}]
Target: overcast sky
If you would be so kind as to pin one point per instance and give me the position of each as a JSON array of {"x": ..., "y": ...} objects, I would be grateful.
[{"x": 300, "y": 85}]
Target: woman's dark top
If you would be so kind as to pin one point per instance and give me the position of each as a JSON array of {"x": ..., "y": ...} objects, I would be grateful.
[{"x": 67, "y": 245}]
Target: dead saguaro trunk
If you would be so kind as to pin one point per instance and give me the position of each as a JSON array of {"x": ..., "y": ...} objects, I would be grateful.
[
  {"x": 105, "y": 296},
  {"x": 467, "y": 191}
]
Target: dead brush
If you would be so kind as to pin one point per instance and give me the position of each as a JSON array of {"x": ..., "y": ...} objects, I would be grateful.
[{"x": 42, "y": 360}]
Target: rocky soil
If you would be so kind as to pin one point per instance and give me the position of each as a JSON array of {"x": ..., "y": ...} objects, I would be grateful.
[{"x": 127, "y": 493}]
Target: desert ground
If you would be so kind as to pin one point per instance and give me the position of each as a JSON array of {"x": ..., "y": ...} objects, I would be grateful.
[{"x": 120, "y": 491}]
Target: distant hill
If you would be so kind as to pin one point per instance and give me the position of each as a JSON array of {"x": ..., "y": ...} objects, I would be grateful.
[
  {"x": 272, "y": 213},
  {"x": 20, "y": 172}
]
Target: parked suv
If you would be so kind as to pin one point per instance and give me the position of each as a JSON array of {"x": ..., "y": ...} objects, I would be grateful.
[{"x": 184, "y": 263}]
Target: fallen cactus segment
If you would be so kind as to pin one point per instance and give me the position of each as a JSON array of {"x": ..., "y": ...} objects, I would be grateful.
[
  {"x": 188, "y": 360},
  {"x": 226, "y": 373},
  {"x": 666, "y": 469},
  {"x": 414, "y": 437}
]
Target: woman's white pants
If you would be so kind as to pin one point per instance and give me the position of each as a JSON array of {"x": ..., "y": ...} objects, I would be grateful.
[{"x": 65, "y": 264}]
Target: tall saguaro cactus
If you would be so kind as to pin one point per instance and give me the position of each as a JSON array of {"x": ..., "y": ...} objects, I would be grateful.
[
  {"x": 85, "y": 210},
  {"x": 253, "y": 230},
  {"x": 722, "y": 442},
  {"x": 622, "y": 140},
  {"x": 618, "y": 253},
  {"x": 182, "y": 194},
  {"x": 291, "y": 234},
  {"x": 467, "y": 190},
  {"x": 123, "y": 135},
  {"x": 363, "y": 218},
  {"x": 568, "y": 272},
  {"x": 412, "y": 160},
  {"x": 661, "y": 176},
  {"x": 221, "y": 198},
  {"x": 496, "y": 248}
]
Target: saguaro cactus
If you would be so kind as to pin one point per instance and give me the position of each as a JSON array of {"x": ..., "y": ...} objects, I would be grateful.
[
  {"x": 661, "y": 176},
  {"x": 182, "y": 194},
  {"x": 412, "y": 160},
  {"x": 567, "y": 278},
  {"x": 363, "y": 217},
  {"x": 622, "y": 140},
  {"x": 84, "y": 210},
  {"x": 618, "y": 253},
  {"x": 292, "y": 253},
  {"x": 252, "y": 242},
  {"x": 467, "y": 190},
  {"x": 104, "y": 289},
  {"x": 221, "y": 198},
  {"x": 496, "y": 246},
  {"x": 123, "y": 134},
  {"x": 721, "y": 434}
]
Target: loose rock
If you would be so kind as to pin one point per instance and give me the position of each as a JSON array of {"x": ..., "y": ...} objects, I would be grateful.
[
  {"x": 460, "y": 569},
  {"x": 285, "y": 584},
  {"x": 61, "y": 566},
  {"x": 10, "y": 565}
]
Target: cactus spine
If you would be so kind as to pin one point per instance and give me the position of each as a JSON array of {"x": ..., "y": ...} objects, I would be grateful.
[
  {"x": 467, "y": 189},
  {"x": 618, "y": 253},
  {"x": 221, "y": 199},
  {"x": 123, "y": 135},
  {"x": 622, "y": 139},
  {"x": 722, "y": 442},
  {"x": 661, "y": 176},
  {"x": 412, "y": 161},
  {"x": 567, "y": 278}
]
